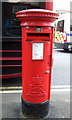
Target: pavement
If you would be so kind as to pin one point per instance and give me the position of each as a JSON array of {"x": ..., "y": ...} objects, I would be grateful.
[{"x": 59, "y": 104}]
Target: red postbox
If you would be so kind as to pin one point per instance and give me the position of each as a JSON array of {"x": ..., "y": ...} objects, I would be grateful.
[{"x": 37, "y": 43}]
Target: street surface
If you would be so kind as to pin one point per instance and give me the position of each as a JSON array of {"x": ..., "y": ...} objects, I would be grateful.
[
  {"x": 61, "y": 67},
  {"x": 60, "y": 90}
]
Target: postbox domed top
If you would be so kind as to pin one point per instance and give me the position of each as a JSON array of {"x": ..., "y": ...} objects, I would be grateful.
[
  {"x": 35, "y": 10},
  {"x": 37, "y": 15}
]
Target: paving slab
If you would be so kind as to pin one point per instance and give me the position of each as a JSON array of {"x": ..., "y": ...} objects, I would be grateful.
[{"x": 59, "y": 106}]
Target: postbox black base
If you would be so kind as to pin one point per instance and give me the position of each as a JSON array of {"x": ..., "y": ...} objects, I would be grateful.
[{"x": 39, "y": 110}]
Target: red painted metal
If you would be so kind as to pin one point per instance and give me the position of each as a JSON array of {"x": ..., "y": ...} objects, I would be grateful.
[
  {"x": 10, "y": 50},
  {"x": 36, "y": 17},
  {"x": 10, "y": 76},
  {"x": 36, "y": 73},
  {"x": 10, "y": 65},
  {"x": 49, "y": 5},
  {"x": 10, "y": 58}
]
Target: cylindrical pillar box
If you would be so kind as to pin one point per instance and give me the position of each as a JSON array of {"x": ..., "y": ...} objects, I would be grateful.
[{"x": 37, "y": 45}]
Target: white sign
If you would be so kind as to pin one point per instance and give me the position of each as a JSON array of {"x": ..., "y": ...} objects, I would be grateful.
[{"x": 37, "y": 51}]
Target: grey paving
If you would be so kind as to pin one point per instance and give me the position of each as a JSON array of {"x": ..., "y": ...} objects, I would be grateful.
[
  {"x": 59, "y": 106},
  {"x": 61, "y": 67}
]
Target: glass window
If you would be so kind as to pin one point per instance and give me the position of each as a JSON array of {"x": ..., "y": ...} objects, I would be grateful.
[
  {"x": 70, "y": 27},
  {"x": 60, "y": 26}
]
